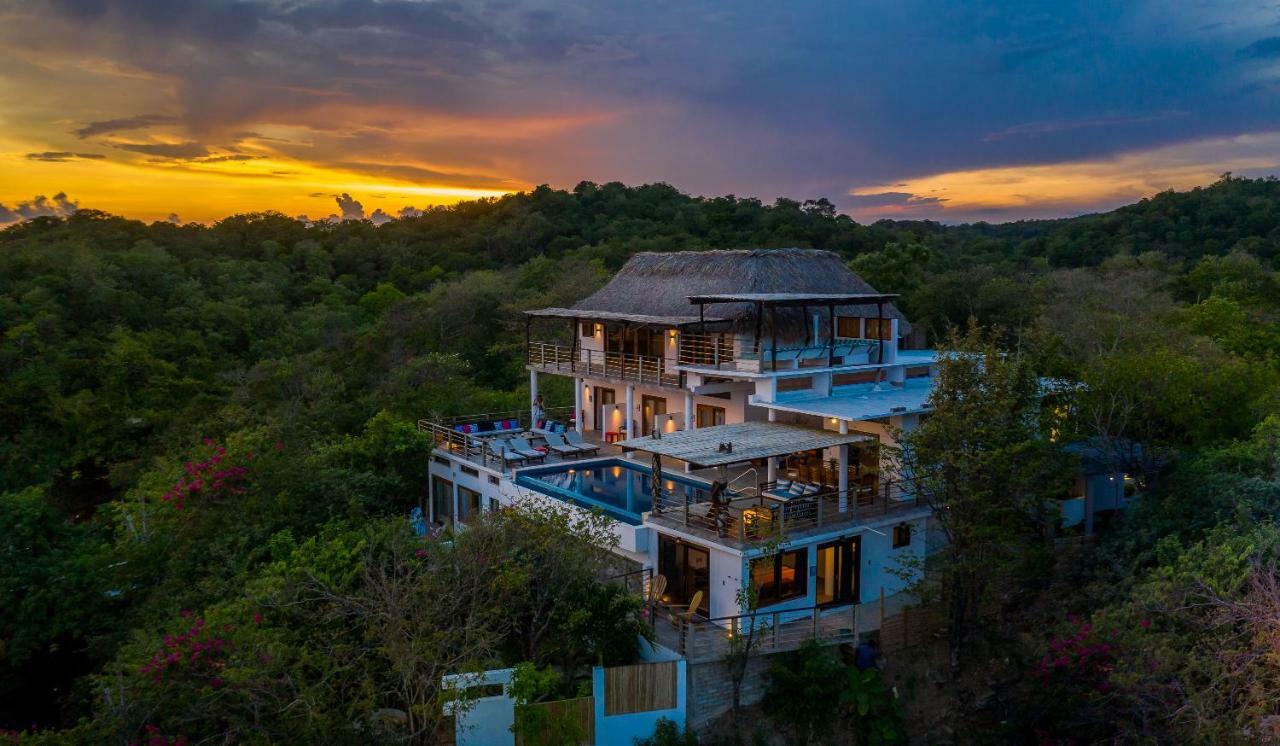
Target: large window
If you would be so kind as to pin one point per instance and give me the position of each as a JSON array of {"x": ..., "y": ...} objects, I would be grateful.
[
  {"x": 849, "y": 327},
  {"x": 441, "y": 499},
  {"x": 709, "y": 415},
  {"x": 469, "y": 504},
  {"x": 879, "y": 328},
  {"x": 780, "y": 577}
]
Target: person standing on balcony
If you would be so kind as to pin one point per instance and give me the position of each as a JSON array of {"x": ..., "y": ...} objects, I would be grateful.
[{"x": 539, "y": 411}]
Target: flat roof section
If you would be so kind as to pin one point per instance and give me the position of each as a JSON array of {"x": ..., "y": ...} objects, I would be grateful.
[
  {"x": 750, "y": 440},
  {"x": 864, "y": 403}
]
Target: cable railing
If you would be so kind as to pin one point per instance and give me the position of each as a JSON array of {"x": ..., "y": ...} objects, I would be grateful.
[
  {"x": 447, "y": 433},
  {"x": 623, "y": 366},
  {"x": 747, "y": 519},
  {"x": 717, "y": 351},
  {"x": 706, "y": 350},
  {"x": 699, "y": 639}
]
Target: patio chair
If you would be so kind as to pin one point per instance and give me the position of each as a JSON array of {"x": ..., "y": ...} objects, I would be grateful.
[
  {"x": 657, "y": 587},
  {"x": 574, "y": 438},
  {"x": 558, "y": 445},
  {"x": 678, "y": 617},
  {"x": 502, "y": 449},
  {"x": 521, "y": 446}
]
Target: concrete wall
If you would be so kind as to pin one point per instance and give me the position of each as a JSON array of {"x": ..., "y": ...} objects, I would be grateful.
[
  {"x": 711, "y": 689},
  {"x": 624, "y": 729}
]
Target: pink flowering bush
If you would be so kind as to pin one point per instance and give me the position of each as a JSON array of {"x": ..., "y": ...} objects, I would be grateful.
[
  {"x": 154, "y": 737},
  {"x": 217, "y": 477},
  {"x": 1080, "y": 656},
  {"x": 195, "y": 651}
]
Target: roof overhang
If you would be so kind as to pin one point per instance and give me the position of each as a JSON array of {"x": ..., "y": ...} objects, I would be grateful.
[
  {"x": 639, "y": 319},
  {"x": 795, "y": 299},
  {"x": 750, "y": 441}
]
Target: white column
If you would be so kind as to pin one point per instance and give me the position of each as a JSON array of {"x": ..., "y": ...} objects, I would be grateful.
[
  {"x": 577, "y": 405},
  {"x": 631, "y": 410},
  {"x": 772, "y": 473},
  {"x": 843, "y": 476},
  {"x": 533, "y": 396},
  {"x": 454, "y": 518},
  {"x": 688, "y": 410}
]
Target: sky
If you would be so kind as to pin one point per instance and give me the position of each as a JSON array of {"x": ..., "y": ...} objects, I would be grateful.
[{"x": 191, "y": 110}]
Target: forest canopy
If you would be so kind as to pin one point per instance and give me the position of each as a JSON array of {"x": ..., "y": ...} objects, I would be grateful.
[{"x": 303, "y": 353}]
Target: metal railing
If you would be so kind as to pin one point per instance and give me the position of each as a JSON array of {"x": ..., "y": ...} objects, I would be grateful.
[
  {"x": 475, "y": 446},
  {"x": 706, "y": 350},
  {"x": 623, "y": 366},
  {"x": 744, "y": 520},
  {"x": 700, "y": 638}
]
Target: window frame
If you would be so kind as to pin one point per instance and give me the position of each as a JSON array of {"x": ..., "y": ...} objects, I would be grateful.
[
  {"x": 899, "y": 532},
  {"x": 800, "y": 588}
]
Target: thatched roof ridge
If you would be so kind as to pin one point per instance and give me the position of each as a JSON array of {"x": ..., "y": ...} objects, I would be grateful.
[{"x": 659, "y": 284}]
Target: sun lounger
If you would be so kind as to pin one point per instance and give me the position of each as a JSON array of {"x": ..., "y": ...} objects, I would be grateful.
[
  {"x": 521, "y": 446},
  {"x": 557, "y": 444},
  {"x": 503, "y": 450},
  {"x": 574, "y": 438}
]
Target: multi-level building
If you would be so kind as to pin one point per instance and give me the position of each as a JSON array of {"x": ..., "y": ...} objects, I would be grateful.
[{"x": 733, "y": 406}]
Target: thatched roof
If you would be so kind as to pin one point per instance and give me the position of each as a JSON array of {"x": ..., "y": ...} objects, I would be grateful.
[{"x": 660, "y": 284}]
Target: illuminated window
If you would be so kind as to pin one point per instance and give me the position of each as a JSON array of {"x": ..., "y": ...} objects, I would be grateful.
[
  {"x": 783, "y": 576},
  {"x": 849, "y": 327}
]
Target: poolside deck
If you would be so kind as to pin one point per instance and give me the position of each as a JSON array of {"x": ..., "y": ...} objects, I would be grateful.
[{"x": 473, "y": 451}]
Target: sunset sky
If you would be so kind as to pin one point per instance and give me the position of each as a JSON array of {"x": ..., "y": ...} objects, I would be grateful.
[{"x": 955, "y": 111}]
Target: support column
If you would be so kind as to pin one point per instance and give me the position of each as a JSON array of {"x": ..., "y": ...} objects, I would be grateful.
[
  {"x": 533, "y": 396},
  {"x": 843, "y": 476},
  {"x": 771, "y": 474},
  {"x": 578, "y": 415},
  {"x": 631, "y": 410},
  {"x": 689, "y": 421},
  {"x": 454, "y": 518}
]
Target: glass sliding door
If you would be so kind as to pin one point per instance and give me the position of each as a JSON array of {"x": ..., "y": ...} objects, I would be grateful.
[
  {"x": 688, "y": 571},
  {"x": 651, "y": 407},
  {"x": 837, "y": 575}
]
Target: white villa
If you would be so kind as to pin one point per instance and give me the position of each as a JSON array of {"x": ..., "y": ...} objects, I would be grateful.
[{"x": 758, "y": 386}]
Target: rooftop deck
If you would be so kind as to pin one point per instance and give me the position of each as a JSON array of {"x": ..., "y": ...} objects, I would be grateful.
[
  {"x": 477, "y": 448},
  {"x": 746, "y": 521}
]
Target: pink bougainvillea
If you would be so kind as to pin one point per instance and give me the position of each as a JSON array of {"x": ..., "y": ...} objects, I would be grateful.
[
  {"x": 1080, "y": 655},
  {"x": 156, "y": 738},
  {"x": 195, "y": 650},
  {"x": 215, "y": 478}
]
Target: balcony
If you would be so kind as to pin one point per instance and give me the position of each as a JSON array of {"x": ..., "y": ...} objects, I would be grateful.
[
  {"x": 743, "y": 520},
  {"x": 716, "y": 352},
  {"x": 477, "y": 448},
  {"x": 646, "y": 370}
]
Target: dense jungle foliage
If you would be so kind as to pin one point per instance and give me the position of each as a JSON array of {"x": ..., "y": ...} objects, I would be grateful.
[{"x": 209, "y": 449}]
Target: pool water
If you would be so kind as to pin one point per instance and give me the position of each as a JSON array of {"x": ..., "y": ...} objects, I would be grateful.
[{"x": 622, "y": 489}]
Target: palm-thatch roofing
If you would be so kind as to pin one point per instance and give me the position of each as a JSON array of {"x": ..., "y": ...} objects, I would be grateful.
[{"x": 659, "y": 285}]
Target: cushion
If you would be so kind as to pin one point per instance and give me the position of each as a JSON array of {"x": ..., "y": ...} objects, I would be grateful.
[
  {"x": 484, "y": 427},
  {"x": 468, "y": 428},
  {"x": 796, "y": 488},
  {"x": 511, "y": 425},
  {"x": 460, "y": 428},
  {"x": 540, "y": 424},
  {"x": 783, "y": 485},
  {"x": 811, "y": 489}
]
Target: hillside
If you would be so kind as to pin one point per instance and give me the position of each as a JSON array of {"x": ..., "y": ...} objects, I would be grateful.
[{"x": 126, "y": 349}]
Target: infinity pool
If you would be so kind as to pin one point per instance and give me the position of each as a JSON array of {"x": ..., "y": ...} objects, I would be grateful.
[{"x": 621, "y": 488}]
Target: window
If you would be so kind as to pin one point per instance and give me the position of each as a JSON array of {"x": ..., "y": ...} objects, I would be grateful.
[
  {"x": 709, "y": 415},
  {"x": 783, "y": 576},
  {"x": 441, "y": 499},
  {"x": 440, "y": 460},
  {"x": 802, "y": 383},
  {"x": 470, "y": 471},
  {"x": 494, "y": 504},
  {"x": 588, "y": 329},
  {"x": 469, "y": 504},
  {"x": 879, "y": 328},
  {"x": 849, "y": 379},
  {"x": 493, "y": 479},
  {"x": 849, "y": 327},
  {"x": 901, "y": 535}
]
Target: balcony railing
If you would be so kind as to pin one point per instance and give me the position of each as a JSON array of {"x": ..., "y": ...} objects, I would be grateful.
[
  {"x": 717, "y": 351},
  {"x": 744, "y": 520},
  {"x": 621, "y": 366},
  {"x": 475, "y": 446}
]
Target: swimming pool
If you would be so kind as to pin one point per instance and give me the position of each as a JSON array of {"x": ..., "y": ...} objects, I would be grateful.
[{"x": 621, "y": 488}]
